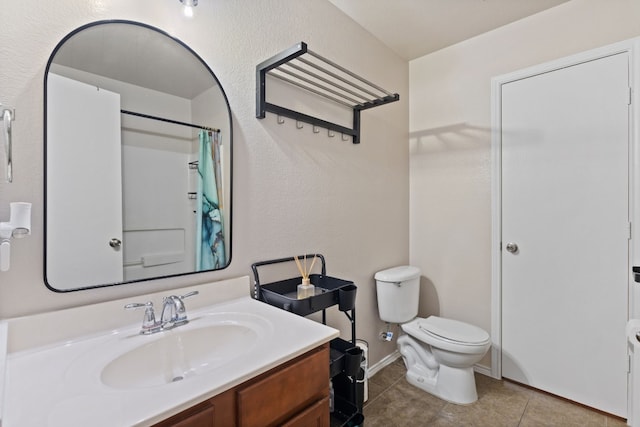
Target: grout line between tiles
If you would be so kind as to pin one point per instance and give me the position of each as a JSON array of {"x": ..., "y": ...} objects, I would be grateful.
[
  {"x": 524, "y": 410},
  {"x": 370, "y": 401}
]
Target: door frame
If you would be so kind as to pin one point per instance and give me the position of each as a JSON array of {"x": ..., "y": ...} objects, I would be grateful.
[{"x": 632, "y": 48}]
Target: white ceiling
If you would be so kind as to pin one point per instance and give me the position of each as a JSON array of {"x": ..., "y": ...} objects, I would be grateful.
[{"x": 414, "y": 28}]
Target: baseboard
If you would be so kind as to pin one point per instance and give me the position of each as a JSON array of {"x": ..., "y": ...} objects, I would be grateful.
[
  {"x": 386, "y": 361},
  {"x": 484, "y": 370}
]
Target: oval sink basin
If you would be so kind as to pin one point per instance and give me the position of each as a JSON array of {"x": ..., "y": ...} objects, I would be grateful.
[{"x": 180, "y": 354}]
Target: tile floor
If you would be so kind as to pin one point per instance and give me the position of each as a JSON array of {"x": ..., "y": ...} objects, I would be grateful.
[{"x": 394, "y": 402}]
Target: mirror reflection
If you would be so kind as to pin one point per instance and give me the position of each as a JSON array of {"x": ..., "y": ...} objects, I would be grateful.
[{"x": 137, "y": 158}]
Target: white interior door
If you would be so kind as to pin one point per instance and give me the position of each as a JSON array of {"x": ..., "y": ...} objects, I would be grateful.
[
  {"x": 83, "y": 140},
  {"x": 565, "y": 204}
]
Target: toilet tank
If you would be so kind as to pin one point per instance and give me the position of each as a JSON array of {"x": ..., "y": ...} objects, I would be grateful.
[{"x": 398, "y": 289}]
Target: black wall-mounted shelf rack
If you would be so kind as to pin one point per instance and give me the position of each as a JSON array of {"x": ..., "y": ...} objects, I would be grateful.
[{"x": 305, "y": 69}]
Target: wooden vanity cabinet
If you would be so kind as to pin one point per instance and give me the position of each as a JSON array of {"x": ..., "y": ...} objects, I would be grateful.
[{"x": 294, "y": 394}]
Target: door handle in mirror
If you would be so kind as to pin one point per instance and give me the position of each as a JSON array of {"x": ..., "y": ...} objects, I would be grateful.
[
  {"x": 115, "y": 243},
  {"x": 512, "y": 247}
]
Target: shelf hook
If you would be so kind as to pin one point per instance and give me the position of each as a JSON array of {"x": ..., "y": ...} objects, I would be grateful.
[
  {"x": 330, "y": 133},
  {"x": 316, "y": 130},
  {"x": 280, "y": 120},
  {"x": 299, "y": 124},
  {"x": 345, "y": 137}
]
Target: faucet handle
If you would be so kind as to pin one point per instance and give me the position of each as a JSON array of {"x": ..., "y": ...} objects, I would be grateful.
[
  {"x": 174, "y": 312},
  {"x": 181, "y": 310},
  {"x": 189, "y": 294},
  {"x": 135, "y": 305},
  {"x": 149, "y": 323}
]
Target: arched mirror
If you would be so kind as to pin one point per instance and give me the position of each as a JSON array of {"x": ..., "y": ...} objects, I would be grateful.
[{"x": 138, "y": 150}]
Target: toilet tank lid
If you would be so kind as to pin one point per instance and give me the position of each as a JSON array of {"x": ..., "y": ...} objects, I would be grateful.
[{"x": 398, "y": 274}]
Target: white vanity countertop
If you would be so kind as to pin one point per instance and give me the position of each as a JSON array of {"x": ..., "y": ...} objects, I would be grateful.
[{"x": 60, "y": 384}]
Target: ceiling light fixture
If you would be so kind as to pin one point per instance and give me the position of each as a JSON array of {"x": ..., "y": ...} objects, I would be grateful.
[{"x": 188, "y": 7}]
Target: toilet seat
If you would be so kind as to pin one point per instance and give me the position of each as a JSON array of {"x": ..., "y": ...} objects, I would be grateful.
[
  {"x": 453, "y": 331},
  {"x": 448, "y": 334}
]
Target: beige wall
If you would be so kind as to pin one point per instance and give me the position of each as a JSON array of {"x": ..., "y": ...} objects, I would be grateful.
[
  {"x": 450, "y": 133},
  {"x": 294, "y": 191}
]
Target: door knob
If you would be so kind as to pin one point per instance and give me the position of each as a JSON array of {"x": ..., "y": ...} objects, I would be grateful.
[
  {"x": 512, "y": 247},
  {"x": 115, "y": 243}
]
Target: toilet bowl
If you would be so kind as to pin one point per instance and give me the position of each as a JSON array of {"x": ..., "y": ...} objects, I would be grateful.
[
  {"x": 439, "y": 353},
  {"x": 448, "y": 349}
]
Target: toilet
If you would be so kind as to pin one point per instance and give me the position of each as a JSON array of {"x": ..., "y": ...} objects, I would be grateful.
[{"x": 439, "y": 353}]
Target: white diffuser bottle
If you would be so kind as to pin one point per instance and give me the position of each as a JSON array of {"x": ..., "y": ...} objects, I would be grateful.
[{"x": 306, "y": 289}]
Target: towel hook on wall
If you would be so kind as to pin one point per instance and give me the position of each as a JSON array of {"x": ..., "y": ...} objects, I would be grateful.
[{"x": 8, "y": 116}]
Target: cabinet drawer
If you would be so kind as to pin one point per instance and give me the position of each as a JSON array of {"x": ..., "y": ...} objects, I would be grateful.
[
  {"x": 279, "y": 396},
  {"x": 317, "y": 415},
  {"x": 216, "y": 412},
  {"x": 201, "y": 419},
  {"x": 201, "y": 415}
]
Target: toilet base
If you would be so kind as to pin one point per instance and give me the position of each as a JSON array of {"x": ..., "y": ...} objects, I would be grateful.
[{"x": 455, "y": 385}]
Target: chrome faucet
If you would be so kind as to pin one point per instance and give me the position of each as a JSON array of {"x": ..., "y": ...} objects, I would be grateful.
[
  {"x": 149, "y": 323},
  {"x": 174, "y": 314}
]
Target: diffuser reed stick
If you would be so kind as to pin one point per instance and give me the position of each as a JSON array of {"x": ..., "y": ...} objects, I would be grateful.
[
  {"x": 313, "y": 261},
  {"x": 300, "y": 269},
  {"x": 305, "y": 289}
]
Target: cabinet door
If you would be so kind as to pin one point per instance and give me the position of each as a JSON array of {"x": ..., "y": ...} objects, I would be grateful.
[
  {"x": 277, "y": 397},
  {"x": 316, "y": 415}
]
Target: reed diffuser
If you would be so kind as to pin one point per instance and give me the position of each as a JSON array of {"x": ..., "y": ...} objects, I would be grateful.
[{"x": 305, "y": 289}]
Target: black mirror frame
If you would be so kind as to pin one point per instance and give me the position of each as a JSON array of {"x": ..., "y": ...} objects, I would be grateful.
[{"x": 204, "y": 64}]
